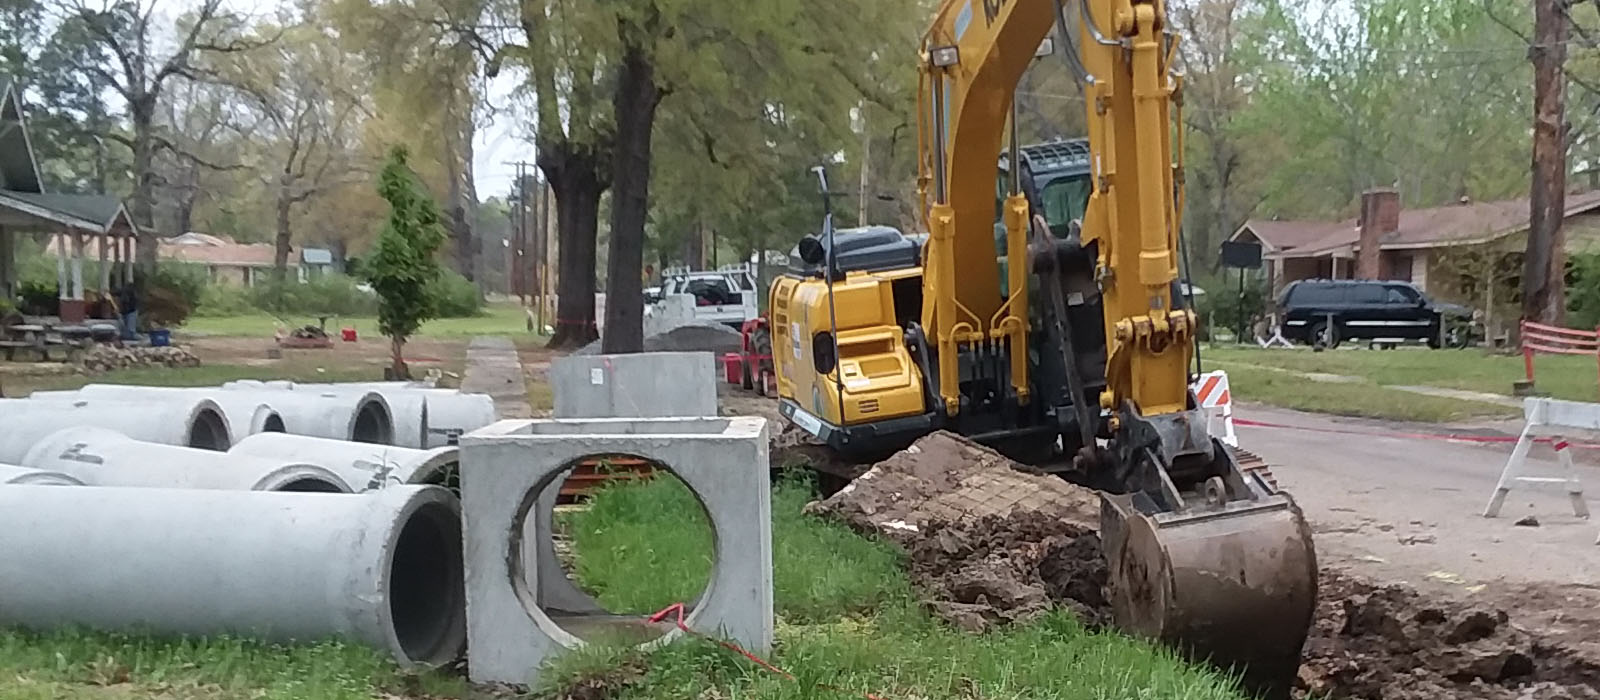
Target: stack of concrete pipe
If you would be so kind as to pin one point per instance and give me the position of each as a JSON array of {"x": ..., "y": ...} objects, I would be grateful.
[
  {"x": 187, "y": 421},
  {"x": 211, "y": 511},
  {"x": 361, "y": 416},
  {"x": 101, "y": 457},
  {"x": 442, "y": 414}
]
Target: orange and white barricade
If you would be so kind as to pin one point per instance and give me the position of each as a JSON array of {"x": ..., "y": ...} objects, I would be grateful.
[{"x": 1212, "y": 393}]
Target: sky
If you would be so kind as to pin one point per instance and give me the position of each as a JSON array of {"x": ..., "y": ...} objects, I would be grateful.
[{"x": 503, "y": 141}]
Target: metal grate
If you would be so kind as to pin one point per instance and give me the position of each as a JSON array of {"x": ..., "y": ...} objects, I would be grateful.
[
  {"x": 868, "y": 406},
  {"x": 1055, "y": 155}
]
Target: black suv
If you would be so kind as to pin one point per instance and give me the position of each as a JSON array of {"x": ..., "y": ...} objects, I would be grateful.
[{"x": 1327, "y": 312}]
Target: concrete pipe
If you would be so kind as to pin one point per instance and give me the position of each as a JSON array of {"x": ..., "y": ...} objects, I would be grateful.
[
  {"x": 10, "y": 474},
  {"x": 450, "y": 413},
  {"x": 362, "y": 416},
  {"x": 188, "y": 421},
  {"x": 245, "y": 417},
  {"x": 101, "y": 457},
  {"x": 383, "y": 569},
  {"x": 364, "y": 467}
]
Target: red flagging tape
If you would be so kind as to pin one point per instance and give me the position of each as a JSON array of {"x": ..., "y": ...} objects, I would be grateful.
[
  {"x": 1452, "y": 437},
  {"x": 676, "y": 612}
]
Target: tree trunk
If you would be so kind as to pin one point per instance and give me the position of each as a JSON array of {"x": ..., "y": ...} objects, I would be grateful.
[
  {"x": 574, "y": 176},
  {"x": 636, "y": 99},
  {"x": 280, "y": 242},
  {"x": 397, "y": 359},
  {"x": 1544, "y": 265},
  {"x": 143, "y": 209}
]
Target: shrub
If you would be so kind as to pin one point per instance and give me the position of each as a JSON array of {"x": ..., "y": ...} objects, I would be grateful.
[
  {"x": 38, "y": 299},
  {"x": 225, "y": 300},
  {"x": 1583, "y": 291},
  {"x": 333, "y": 295},
  {"x": 455, "y": 296}
]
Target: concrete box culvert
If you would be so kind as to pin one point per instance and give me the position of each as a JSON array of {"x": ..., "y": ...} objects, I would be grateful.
[
  {"x": 383, "y": 569},
  {"x": 508, "y": 468},
  {"x": 449, "y": 414},
  {"x": 185, "y": 421},
  {"x": 364, "y": 467},
  {"x": 642, "y": 385},
  {"x": 244, "y": 416},
  {"x": 12, "y": 474},
  {"x": 101, "y": 457}
]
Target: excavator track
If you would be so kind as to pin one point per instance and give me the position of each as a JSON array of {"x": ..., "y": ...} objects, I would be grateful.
[{"x": 1233, "y": 584}]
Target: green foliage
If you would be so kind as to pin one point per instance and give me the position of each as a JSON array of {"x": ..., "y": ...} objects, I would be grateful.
[
  {"x": 1583, "y": 291},
  {"x": 171, "y": 294},
  {"x": 1223, "y": 308},
  {"x": 325, "y": 295},
  {"x": 456, "y": 296},
  {"x": 401, "y": 267}
]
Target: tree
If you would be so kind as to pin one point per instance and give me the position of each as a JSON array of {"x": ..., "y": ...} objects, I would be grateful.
[
  {"x": 401, "y": 267},
  {"x": 125, "y": 58},
  {"x": 308, "y": 111},
  {"x": 637, "y": 95}
]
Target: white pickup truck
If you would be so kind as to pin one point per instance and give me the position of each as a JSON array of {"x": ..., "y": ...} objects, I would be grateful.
[{"x": 726, "y": 295}]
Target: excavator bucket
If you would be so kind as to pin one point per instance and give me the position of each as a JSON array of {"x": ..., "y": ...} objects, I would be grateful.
[{"x": 1233, "y": 584}]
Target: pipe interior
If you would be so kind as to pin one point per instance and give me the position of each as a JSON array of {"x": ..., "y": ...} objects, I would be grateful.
[
  {"x": 274, "y": 424},
  {"x": 446, "y": 474},
  {"x": 373, "y": 424},
  {"x": 310, "y": 484},
  {"x": 209, "y": 432},
  {"x": 426, "y": 596}
]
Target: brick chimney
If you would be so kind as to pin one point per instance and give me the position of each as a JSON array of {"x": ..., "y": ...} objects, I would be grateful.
[{"x": 1380, "y": 216}]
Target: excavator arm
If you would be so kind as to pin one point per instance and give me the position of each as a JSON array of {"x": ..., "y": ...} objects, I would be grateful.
[{"x": 1205, "y": 554}]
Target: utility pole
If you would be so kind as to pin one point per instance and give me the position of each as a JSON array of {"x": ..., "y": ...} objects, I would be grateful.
[
  {"x": 541, "y": 245},
  {"x": 1544, "y": 264},
  {"x": 519, "y": 234}
]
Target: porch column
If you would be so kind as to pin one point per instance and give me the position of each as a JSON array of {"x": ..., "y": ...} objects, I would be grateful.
[
  {"x": 127, "y": 259},
  {"x": 105, "y": 269},
  {"x": 61, "y": 266},
  {"x": 116, "y": 260},
  {"x": 8, "y": 263},
  {"x": 77, "y": 265}
]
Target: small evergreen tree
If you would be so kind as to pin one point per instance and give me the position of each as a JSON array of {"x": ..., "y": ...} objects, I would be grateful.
[{"x": 402, "y": 268}]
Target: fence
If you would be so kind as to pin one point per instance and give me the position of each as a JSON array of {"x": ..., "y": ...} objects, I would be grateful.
[{"x": 1555, "y": 340}]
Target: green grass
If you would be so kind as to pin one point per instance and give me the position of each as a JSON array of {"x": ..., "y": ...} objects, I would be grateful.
[
  {"x": 848, "y": 623},
  {"x": 497, "y": 319},
  {"x": 73, "y": 663},
  {"x": 1574, "y": 377},
  {"x": 1362, "y": 399}
]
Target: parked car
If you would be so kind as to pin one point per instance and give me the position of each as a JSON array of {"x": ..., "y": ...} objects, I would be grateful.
[{"x": 1329, "y": 312}]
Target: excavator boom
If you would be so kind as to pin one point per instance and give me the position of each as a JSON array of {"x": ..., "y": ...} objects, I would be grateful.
[{"x": 1205, "y": 554}]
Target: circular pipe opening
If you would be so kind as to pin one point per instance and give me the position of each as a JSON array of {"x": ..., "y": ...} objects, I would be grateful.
[
  {"x": 273, "y": 424},
  {"x": 209, "y": 431},
  {"x": 373, "y": 424},
  {"x": 310, "y": 484},
  {"x": 426, "y": 595}
]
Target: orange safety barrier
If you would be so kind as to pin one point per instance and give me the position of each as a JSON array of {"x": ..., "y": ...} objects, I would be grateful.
[{"x": 1555, "y": 340}]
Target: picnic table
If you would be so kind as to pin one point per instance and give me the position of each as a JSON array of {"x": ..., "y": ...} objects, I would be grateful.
[{"x": 41, "y": 338}]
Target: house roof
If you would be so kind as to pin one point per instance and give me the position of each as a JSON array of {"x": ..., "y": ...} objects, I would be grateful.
[
  {"x": 195, "y": 248},
  {"x": 19, "y": 170},
  {"x": 1454, "y": 224}
]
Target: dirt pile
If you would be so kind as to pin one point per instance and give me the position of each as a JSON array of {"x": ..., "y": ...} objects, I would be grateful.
[
  {"x": 1390, "y": 643},
  {"x": 104, "y": 358},
  {"x": 694, "y": 337},
  {"x": 990, "y": 542}
]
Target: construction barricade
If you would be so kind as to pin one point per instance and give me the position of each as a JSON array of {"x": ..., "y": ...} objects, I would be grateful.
[
  {"x": 1212, "y": 393},
  {"x": 1554, "y": 340},
  {"x": 1547, "y": 418}
]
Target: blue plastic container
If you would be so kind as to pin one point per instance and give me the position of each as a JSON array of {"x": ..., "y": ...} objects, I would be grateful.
[{"x": 160, "y": 337}]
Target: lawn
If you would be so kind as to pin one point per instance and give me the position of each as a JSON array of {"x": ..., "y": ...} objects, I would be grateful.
[
  {"x": 848, "y": 624},
  {"x": 497, "y": 319},
  {"x": 1278, "y": 377}
]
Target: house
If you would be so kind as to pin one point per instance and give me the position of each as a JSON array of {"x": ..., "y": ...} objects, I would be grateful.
[
  {"x": 1426, "y": 247},
  {"x": 72, "y": 219}
]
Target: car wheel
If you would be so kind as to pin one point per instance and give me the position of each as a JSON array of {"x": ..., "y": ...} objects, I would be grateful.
[{"x": 1324, "y": 335}]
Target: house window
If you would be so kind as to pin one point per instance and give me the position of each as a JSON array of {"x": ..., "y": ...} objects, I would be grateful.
[{"x": 1399, "y": 267}]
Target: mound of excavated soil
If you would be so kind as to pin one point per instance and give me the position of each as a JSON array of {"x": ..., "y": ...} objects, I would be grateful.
[
  {"x": 714, "y": 338},
  {"x": 989, "y": 542},
  {"x": 1390, "y": 643}
]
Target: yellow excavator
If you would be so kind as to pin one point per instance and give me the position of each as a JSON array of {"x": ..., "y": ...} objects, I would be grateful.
[{"x": 1042, "y": 316}]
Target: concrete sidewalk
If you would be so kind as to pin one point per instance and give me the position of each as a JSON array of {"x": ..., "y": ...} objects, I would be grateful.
[{"x": 493, "y": 368}]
